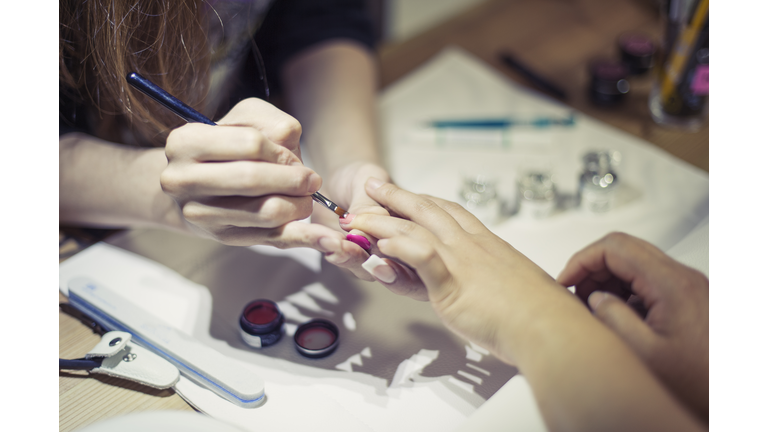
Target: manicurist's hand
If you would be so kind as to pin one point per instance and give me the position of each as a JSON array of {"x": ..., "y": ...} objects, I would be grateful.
[
  {"x": 473, "y": 279},
  {"x": 673, "y": 339},
  {"x": 243, "y": 182}
]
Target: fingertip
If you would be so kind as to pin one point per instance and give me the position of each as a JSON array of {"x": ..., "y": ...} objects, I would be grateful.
[
  {"x": 340, "y": 257},
  {"x": 330, "y": 244},
  {"x": 379, "y": 269},
  {"x": 596, "y": 298},
  {"x": 382, "y": 244},
  {"x": 373, "y": 183},
  {"x": 571, "y": 275},
  {"x": 314, "y": 182}
]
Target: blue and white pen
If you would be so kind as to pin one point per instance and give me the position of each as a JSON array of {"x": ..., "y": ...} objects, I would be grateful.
[{"x": 501, "y": 123}]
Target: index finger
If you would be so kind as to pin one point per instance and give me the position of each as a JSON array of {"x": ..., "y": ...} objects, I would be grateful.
[
  {"x": 594, "y": 258},
  {"x": 628, "y": 258},
  {"x": 205, "y": 143},
  {"x": 416, "y": 208},
  {"x": 276, "y": 125}
]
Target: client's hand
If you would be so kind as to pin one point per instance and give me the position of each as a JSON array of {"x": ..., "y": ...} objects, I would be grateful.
[
  {"x": 347, "y": 187},
  {"x": 673, "y": 339},
  {"x": 478, "y": 284}
]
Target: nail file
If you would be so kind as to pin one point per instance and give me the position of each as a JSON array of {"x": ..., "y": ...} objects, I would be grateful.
[{"x": 199, "y": 363}]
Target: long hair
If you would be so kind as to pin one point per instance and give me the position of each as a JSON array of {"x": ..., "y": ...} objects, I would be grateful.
[{"x": 101, "y": 41}]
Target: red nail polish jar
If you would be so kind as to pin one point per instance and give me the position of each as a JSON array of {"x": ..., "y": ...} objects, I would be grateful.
[
  {"x": 316, "y": 338},
  {"x": 262, "y": 323}
]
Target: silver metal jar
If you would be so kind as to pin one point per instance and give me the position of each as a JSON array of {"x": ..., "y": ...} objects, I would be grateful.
[{"x": 599, "y": 181}]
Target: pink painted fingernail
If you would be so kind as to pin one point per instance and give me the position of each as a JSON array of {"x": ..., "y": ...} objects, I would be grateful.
[
  {"x": 346, "y": 220},
  {"x": 359, "y": 240}
]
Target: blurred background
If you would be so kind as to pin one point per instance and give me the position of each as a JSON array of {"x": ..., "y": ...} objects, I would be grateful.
[{"x": 556, "y": 39}]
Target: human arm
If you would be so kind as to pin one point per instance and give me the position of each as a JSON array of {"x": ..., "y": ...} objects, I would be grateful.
[
  {"x": 583, "y": 376},
  {"x": 331, "y": 90},
  {"x": 239, "y": 183},
  {"x": 109, "y": 185},
  {"x": 320, "y": 53},
  {"x": 673, "y": 337}
]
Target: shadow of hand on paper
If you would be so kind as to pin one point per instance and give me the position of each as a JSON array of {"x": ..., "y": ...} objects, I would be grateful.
[
  {"x": 381, "y": 334},
  {"x": 386, "y": 341}
]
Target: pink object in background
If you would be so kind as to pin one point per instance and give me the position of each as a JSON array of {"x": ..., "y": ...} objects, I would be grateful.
[{"x": 700, "y": 82}]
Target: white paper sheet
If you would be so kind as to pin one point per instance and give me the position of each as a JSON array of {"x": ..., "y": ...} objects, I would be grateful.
[
  {"x": 375, "y": 381},
  {"x": 664, "y": 200},
  {"x": 661, "y": 198}
]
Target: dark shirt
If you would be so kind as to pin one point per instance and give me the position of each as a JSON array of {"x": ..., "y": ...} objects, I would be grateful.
[{"x": 289, "y": 27}]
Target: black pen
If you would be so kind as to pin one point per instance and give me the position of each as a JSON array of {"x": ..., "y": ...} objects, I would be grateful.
[
  {"x": 190, "y": 115},
  {"x": 535, "y": 78}
]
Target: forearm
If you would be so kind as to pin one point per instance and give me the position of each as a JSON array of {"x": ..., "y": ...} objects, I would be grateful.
[
  {"x": 585, "y": 378},
  {"x": 110, "y": 185},
  {"x": 331, "y": 90}
]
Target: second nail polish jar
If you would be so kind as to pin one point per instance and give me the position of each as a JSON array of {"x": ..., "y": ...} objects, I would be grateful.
[
  {"x": 316, "y": 338},
  {"x": 638, "y": 52},
  {"x": 261, "y": 323},
  {"x": 608, "y": 82}
]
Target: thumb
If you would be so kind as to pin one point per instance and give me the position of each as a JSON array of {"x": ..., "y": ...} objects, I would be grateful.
[{"x": 622, "y": 319}]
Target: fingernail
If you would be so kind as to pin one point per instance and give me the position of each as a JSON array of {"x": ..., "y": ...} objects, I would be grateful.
[
  {"x": 330, "y": 244},
  {"x": 346, "y": 220},
  {"x": 374, "y": 183},
  {"x": 359, "y": 240},
  {"x": 315, "y": 181},
  {"x": 379, "y": 269},
  {"x": 595, "y": 299},
  {"x": 384, "y": 273}
]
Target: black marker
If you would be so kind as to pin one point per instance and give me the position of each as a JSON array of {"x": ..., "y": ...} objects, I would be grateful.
[
  {"x": 535, "y": 78},
  {"x": 189, "y": 114}
]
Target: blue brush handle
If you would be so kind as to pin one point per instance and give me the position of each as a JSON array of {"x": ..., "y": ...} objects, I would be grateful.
[{"x": 165, "y": 99}]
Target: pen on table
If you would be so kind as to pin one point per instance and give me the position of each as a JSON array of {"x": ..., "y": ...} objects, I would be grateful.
[
  {"x": 501, "y": 123},
  {"x": 190, "y": 115},
  {"x": 535, "y": 78}
]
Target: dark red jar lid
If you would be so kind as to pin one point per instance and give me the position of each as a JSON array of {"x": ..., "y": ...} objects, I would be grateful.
[{"x": 316, "y": 338}]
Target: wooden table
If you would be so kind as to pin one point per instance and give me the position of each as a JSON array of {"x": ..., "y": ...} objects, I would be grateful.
[{"x": 555, "y": 37}]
